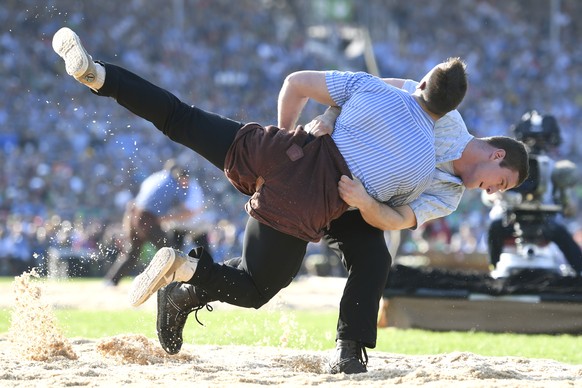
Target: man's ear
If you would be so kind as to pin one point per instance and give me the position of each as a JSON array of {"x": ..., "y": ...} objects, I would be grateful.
[
  {"x": 498, "y": 154},
  {"x": 422, "y": 85}
]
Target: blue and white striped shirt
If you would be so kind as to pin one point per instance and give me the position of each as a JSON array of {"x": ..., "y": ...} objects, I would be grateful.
[
  {"x": 160, "y": 193},
  {"x": 384, "y": 135},
  {"x": 443, "y": 195}
]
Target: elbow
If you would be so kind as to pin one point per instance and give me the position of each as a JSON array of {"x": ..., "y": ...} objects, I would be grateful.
[
  {"x": 292, "y": 80},
  {"x": 298, "y": 80}
]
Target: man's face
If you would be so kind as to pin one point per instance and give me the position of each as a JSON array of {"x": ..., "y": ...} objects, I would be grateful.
[{"x": 491, "y": 177}]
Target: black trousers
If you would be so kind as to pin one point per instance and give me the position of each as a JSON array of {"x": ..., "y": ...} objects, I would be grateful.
[
  {"x": 270, "y": 259},
  {"x": 365, "y": 255}
]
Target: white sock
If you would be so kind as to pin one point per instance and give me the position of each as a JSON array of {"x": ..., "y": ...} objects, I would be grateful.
[
  {"x": 99, "y": 77},
  {"x": 186, "y": 270}
]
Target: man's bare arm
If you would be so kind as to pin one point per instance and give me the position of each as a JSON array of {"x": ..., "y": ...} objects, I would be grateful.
[
  {"x": 384, "y": 217},
  {"x": 375, "y": 213},
  {"x": 297, "y": 89}
]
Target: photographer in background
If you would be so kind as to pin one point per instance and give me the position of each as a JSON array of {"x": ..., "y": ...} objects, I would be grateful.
[{"x": 530, "y": 215}]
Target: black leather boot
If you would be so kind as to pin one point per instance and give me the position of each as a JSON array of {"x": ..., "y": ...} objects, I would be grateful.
[
  {"x": 175, "y": 302},
  {"x": 350, "y": 357}
]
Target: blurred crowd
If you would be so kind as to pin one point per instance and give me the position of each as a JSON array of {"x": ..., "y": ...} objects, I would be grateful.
[{"x": 70, "y": 161}]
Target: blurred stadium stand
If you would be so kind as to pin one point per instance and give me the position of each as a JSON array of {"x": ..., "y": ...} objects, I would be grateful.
[{"x": 69, "y": 161}]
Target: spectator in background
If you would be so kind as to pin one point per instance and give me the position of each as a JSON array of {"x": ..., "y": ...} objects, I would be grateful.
[
  {"x": 193, "y": 231},
  {"x": 164, "y": 197},
  {"x": 15, "y": 248}
]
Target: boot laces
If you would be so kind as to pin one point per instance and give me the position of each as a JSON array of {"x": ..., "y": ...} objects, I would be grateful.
[
  {"x": 196, "y": 309},
  {"x": 358, "y": 351},
  {"x": 363, "y": 360}
]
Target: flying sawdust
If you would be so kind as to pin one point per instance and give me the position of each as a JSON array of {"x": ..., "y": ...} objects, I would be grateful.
[{"x": 33, "y": 333}]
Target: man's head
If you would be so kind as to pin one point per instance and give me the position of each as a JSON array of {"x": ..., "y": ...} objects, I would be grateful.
[
  {"x": 444, "y": 87},
  {"x": 178, "y": 172},
  {"x": 503, "y": 165}
]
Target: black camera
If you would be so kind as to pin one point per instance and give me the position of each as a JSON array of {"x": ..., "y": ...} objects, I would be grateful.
[{"x": 538, "y": 132}]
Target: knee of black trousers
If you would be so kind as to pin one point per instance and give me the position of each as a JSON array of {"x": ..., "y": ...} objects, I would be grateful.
[
  {"x": 262, "y": 298},
  {"x": 205, "y": 261},
  {"x": 258, "y": 303}
]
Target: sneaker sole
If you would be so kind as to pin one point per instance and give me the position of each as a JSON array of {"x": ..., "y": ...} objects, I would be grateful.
[
  {"x": 153, "y": 277},
  {"x": 68, "y": 46}
]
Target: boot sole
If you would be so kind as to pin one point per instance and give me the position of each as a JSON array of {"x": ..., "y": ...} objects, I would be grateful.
[
  {"x": 67, "y": 45},
  {"x": 153, "y": 278}
]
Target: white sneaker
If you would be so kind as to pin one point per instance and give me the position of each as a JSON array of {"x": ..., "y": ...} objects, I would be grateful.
[
  {"x": 78, "y": 63},
  {"x": 168, "y": 265}
]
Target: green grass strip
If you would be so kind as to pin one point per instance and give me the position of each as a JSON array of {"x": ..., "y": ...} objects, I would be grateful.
[{"x": 310, "y": 331}]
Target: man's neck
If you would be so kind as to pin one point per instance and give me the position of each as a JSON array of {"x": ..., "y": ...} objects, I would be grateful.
[
  {"x": 468, "y": 158},
  {"x": 422, "y": 104}
]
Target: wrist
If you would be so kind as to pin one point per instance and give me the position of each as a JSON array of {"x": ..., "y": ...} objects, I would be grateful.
[
  {"x": 332, "y": 112},
  {"x": 368, "y": 205}
]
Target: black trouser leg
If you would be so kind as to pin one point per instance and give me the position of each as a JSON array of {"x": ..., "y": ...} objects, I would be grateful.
[
  {"x": 270, "y": 260},
  {"x": 366, "y": 257},
  {"x": 496, "y": 238},
  {"x": 208, "y": 134},
  {"x": 559, "y": 234}
]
